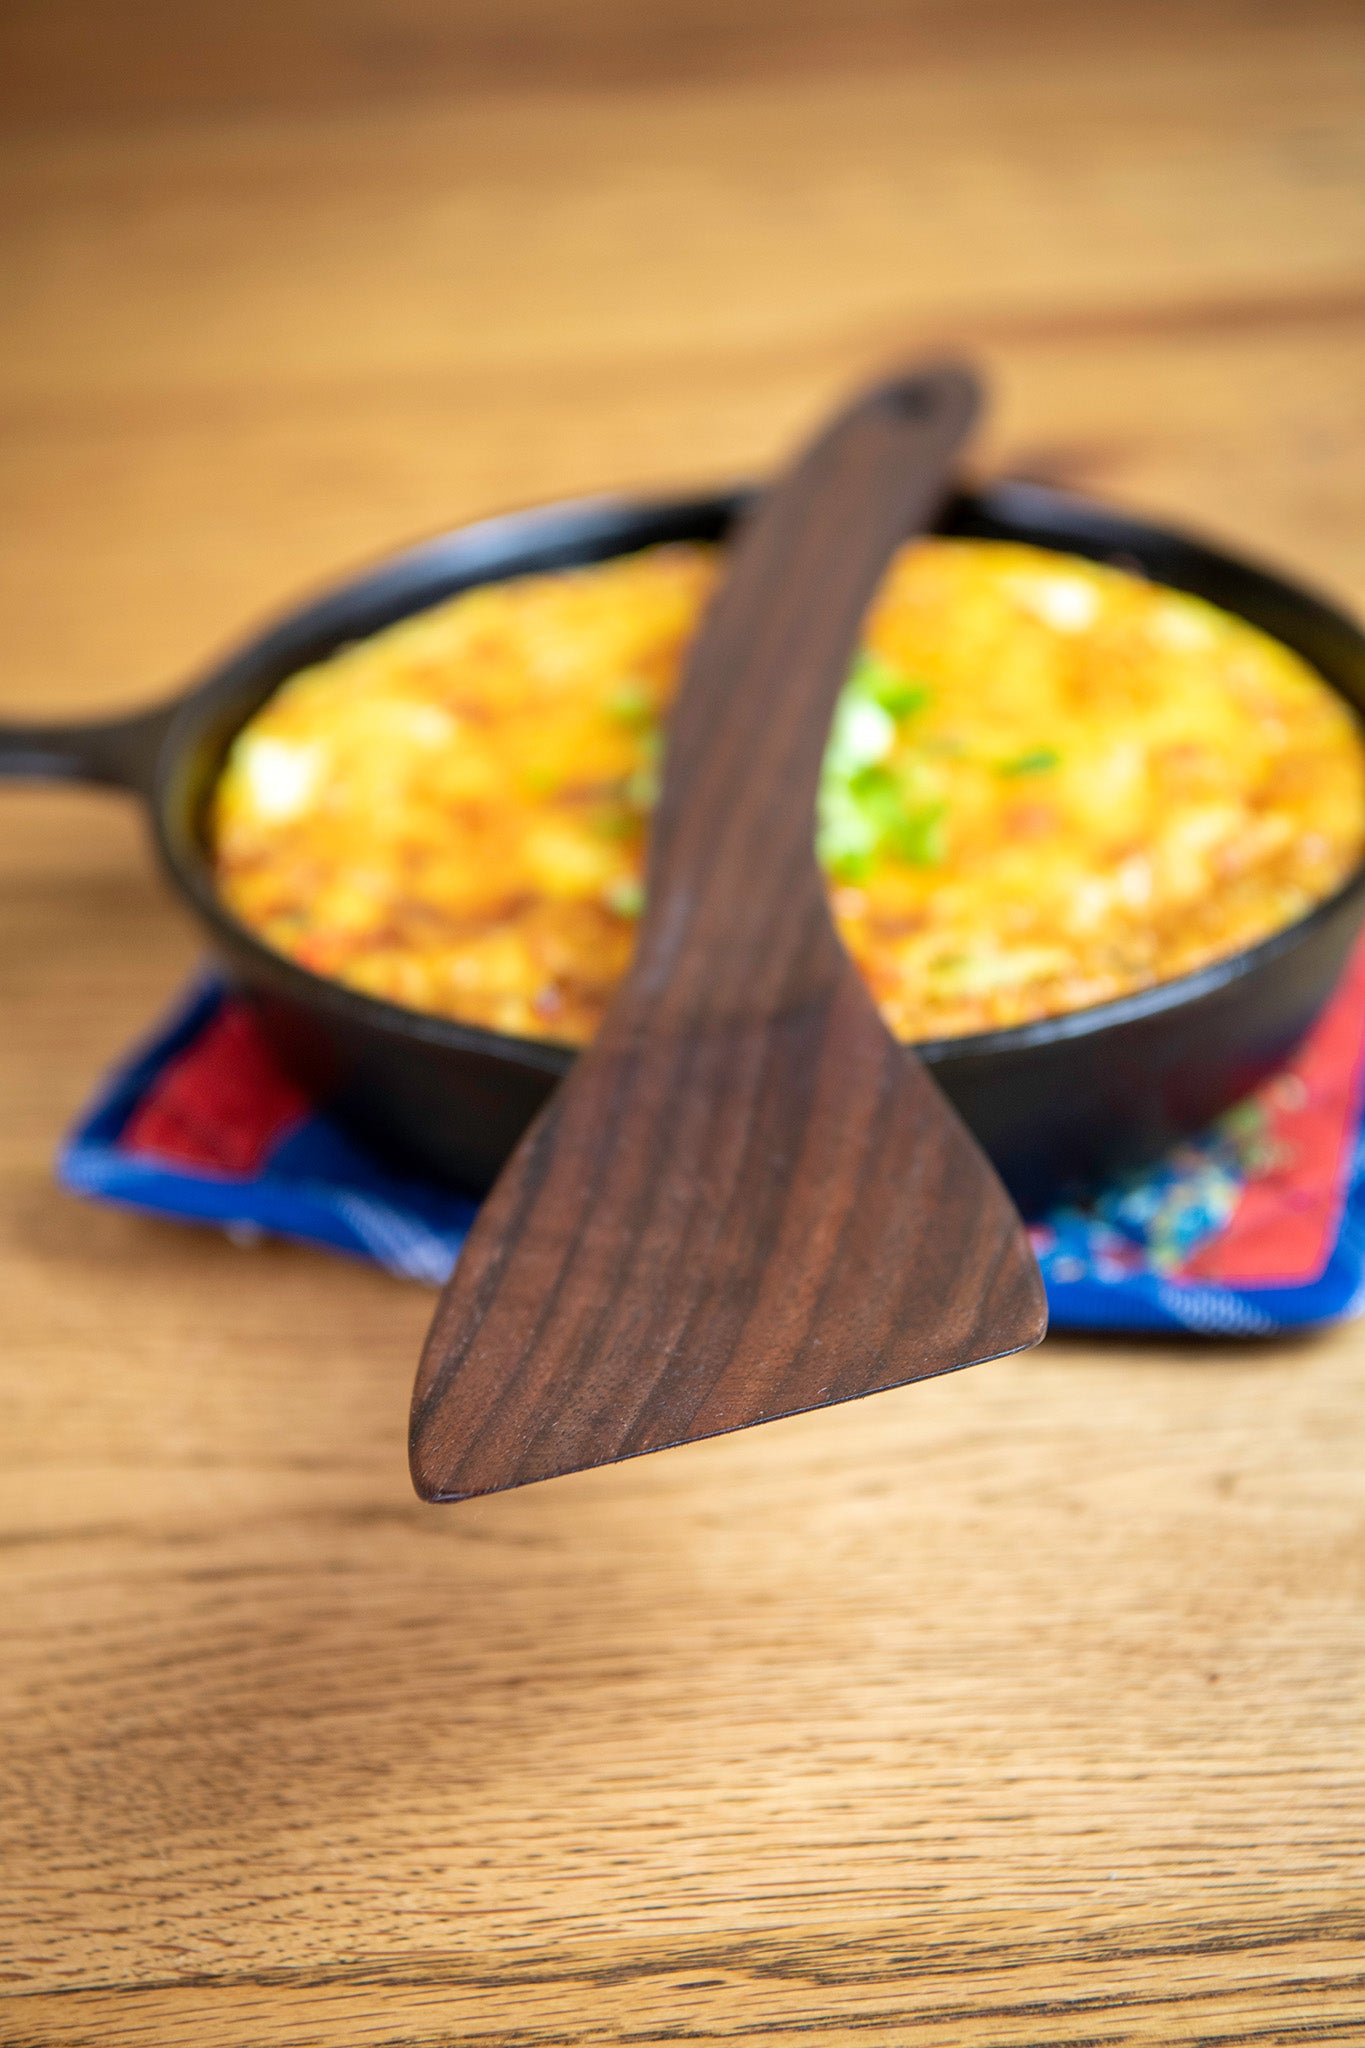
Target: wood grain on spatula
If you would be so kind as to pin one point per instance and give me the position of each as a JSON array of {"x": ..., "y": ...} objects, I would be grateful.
[{"x": 745, "y": 1199}]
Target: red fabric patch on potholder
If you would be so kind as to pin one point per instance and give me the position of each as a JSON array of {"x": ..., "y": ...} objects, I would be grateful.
[
  {"x": 1284, "y": 1227},
  {"x": 222, "y": 1103}
]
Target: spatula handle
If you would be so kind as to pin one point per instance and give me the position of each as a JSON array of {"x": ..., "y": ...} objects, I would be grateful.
[{"x": 736, "y": 910}]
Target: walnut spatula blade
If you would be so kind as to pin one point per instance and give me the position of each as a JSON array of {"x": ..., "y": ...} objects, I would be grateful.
[{"x": 745, "y": 1199}]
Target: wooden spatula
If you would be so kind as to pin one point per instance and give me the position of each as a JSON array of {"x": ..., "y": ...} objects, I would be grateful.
[{"x": 745, "y": 1199}]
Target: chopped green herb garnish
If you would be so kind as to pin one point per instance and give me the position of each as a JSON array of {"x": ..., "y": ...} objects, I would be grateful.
[
  {"x": 618, "y": 823},
  {"x": 626, "y": 897},
  {"x": 632, "y": 705},
  {"x": 875, "y": 785},
  {"x": 874, "y": 677},
  {"x": 862, "y": 734},
  {"x": 877, "y": 809},
  {"x": 920, "y": 837},
  {"x": 1031, "y": 763},
  {"x": 845, "y": 837},
  {"x": 642, "y": 787}
]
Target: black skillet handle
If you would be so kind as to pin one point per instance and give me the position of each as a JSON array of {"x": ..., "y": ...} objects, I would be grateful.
[{"x": 122, "y": 752}]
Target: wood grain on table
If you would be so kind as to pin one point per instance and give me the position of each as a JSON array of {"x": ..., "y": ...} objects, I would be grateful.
[{"x": 1019, "y": 1707}]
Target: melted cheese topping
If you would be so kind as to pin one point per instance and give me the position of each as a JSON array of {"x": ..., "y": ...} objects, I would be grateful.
[{"x": 1048, "y": 783}]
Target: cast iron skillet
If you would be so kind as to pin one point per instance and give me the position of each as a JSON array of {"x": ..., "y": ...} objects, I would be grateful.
[{"x": 1057, "y": 1104}]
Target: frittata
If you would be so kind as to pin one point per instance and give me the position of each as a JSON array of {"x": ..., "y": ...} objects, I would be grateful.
[{"x": 1048, "y": 782}]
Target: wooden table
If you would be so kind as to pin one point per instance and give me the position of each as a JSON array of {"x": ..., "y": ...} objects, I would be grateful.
[{"x": 1022, "y": 1707}]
